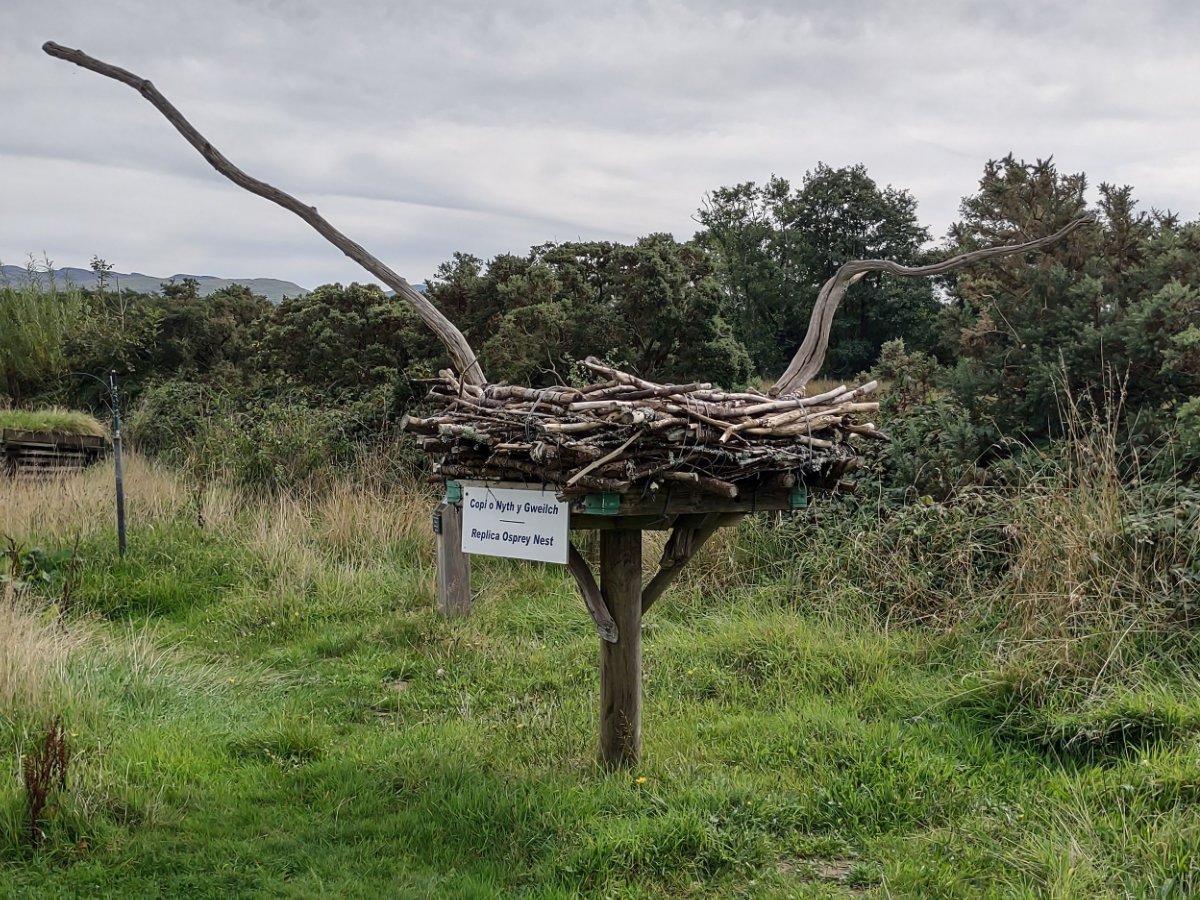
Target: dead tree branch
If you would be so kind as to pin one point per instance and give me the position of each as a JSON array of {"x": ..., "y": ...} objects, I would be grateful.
[
  {"x": 811, "y": 355},
  {"x": 460, "y": 351}
]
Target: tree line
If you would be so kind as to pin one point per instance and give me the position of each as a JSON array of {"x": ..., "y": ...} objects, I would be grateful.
[{"x": 1113, "y": 308}]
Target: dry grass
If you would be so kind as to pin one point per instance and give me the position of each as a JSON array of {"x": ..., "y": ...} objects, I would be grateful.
[
  {"x": 296, "y": 536},
  {"x": 821, "y": 385},
  {"x": 84, "y": 503},
  {"x": 814, "y": 387},
  {"x": 298, "y": 541},
  {"x": 280, "y": 534},
  {"x": 358, "y": 524},
  {"x": 1063, "y": 572},
  {"x": 34, "y": 656},
  {"x": 1080, "y": 567}
]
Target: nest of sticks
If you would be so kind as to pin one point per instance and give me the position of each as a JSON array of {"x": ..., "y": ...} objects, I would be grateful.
[{"x": 628, "y": 435}]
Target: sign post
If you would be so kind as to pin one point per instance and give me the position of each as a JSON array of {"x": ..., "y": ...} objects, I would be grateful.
[
  {"x": 118, "y": 461},
  {"x": 453, "y": 566},
  {"x": 490, "y": 521}
]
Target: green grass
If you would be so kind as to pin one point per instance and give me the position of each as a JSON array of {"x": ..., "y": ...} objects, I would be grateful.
[
  {"x": 251, "y": 718},
  {"x": 64, "y": 421}
]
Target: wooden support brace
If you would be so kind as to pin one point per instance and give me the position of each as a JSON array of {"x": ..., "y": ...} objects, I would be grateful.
[
  {"x": 593, "y": 599},
  {"x": 679, "y": 545},
  {"x": 689, "y": 535},
  {"x": 453, "y": 566}
]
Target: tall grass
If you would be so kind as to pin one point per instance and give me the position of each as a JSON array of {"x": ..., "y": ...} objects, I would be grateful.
[
  {"x": 35, "y": 653},
  {"x": 85, "y": 504},
  {"x": 1078, "y": 576},
  {"x": 36, "y": 318}
]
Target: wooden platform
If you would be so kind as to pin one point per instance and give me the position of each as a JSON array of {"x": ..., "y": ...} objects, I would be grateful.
[
  {"x": 615, "y": 596},
  {"x": 655, "y": 512},
  {"x": 43, "y": 454}
]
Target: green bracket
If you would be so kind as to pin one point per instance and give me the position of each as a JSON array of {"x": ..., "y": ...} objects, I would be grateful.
[
  {"x": 606, "y": 504},
  {"x": 799, "y": 497},
  {"x": 453, "y": 491}
]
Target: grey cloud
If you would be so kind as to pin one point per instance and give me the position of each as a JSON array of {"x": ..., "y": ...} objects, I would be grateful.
[{"x": 428, "y": 128}]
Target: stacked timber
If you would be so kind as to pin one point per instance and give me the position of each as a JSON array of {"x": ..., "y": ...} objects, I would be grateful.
[
  {"x": 624, "y": 434},
  {"x": 47, "y": 453}
]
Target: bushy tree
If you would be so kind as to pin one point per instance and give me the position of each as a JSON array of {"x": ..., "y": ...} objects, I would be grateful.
[
  {"x": 343, "y": 341},
  {"x": 151, "y": 338},
  {"x": 202, "y": 335},
  {"x": 775, "y": 246},
  {"x": 653, "y": 306},
  {"x": 1111, "y": 305}
]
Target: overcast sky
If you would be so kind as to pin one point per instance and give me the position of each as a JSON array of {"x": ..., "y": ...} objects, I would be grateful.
[{"x": 421, "y": 129}]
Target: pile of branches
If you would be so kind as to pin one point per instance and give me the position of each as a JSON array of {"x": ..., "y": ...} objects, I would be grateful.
[{"x": 626, "y": 434}]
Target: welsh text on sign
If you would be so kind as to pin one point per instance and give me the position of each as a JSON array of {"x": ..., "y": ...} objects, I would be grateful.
[{"x": 515, "y": 522}]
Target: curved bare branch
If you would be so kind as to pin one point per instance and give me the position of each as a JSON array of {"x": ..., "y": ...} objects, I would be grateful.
[
  {"x": 811, "y": 355},
  {"x": 464, "y": 357}
]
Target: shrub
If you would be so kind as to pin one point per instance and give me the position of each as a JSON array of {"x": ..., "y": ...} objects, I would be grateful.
[
  {"x": 283, "y": 446},
  {"x": 935, "y": 450},
  {"x": 935, "y": 446},
  {"x": 171, "y": 416}
]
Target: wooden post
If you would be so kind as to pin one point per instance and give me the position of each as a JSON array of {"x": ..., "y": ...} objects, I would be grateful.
[
  {"x": 621, "y": 662},
  {"x": 453, "y": 566}
]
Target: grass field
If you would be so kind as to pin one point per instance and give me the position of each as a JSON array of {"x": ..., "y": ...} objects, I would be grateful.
[{"x": 271, "y": 707}]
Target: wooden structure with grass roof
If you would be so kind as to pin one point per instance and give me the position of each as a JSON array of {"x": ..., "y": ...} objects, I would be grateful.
[
  {"x": 625, "y": 454},
  {"x": 42, "y": 443}
]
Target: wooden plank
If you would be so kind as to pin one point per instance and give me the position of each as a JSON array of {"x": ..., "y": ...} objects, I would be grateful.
[
  {"x": 621, "y": 662},
  {"x": 493, "y": 483},
  {"x": 15, "y": 436},
  {"x": 51, "y": 460},
  {"x": 588, "y": 522},
  {"x": 592, "y": 598},
  {"x": 674, "y": 502},
  {"x": 453, "y": 566},
  {"x": 45, "y": 474},
  {"x": 52, "y": 463},
  {"x": 663, "y": 504},
  {"x": 31, "y": 451}
]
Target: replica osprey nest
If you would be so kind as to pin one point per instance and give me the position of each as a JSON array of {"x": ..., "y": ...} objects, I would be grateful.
[
  {"x": 627, "y": 435},
  {"x": 691, "y": 458}
]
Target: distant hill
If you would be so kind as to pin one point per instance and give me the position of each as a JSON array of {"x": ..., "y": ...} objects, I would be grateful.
[
  {"x": 271, "y": 288},
  {"x": 419, "y": 286}
]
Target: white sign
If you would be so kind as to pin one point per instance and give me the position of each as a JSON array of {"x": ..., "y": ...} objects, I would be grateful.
[{"x": 523, "y": 524}]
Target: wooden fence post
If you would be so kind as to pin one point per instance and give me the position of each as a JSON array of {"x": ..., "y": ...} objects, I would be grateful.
[
  {"x": 453, "y": 566},
  {"x": 621, "y": 662}
]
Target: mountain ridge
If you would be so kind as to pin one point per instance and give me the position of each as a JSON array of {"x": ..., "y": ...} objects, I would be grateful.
[{"x": 274, "y": 289}]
